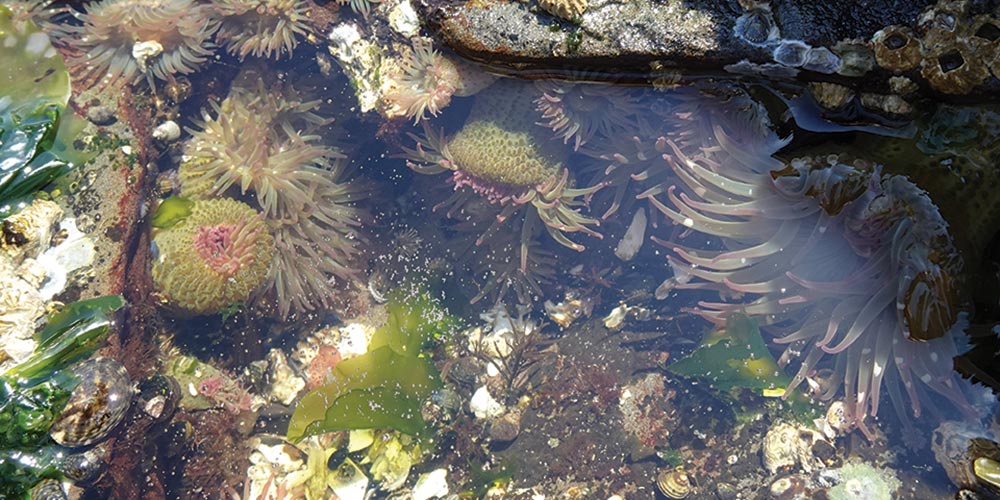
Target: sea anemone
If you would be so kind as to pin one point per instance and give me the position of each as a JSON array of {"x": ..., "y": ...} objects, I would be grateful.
[
  {"x": 214, "y": 258},
  {"x": 834, "y": 259},
  {"x": 578, "y": 111},
  {"x": 629, "y": 160},
  {"x": 124, "y": 40},
  {"x": 423, "y": 82},
  {"x": 259, "y": 143},
  {"x": 500, "y": 156},
  {"x": 255, "y": 141},
  {"x": 317, "y": 247},
  {"x": 262, "y": 28}
]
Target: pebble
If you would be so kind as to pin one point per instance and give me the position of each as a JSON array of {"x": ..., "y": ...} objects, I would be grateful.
[{"x": 101, "y": 115}]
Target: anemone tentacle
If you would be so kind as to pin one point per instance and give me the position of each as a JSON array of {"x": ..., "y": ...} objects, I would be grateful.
[{"x": 836, "y": 259}]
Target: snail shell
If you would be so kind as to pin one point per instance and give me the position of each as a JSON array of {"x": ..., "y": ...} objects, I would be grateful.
[
  {"x": 159, "y": 396},
  {"x": 674, "y": 483},
  {"x": 84, "y": 467},
  {"x": 47, "y": 489},
  {"x": 97, "y": 404}
]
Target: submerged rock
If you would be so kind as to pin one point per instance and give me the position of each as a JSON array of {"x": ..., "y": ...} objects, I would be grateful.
[{"x": 621, "y": 39}]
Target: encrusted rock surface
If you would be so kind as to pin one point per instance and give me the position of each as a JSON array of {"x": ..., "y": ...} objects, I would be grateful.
[{"x": 623, "y": 37}]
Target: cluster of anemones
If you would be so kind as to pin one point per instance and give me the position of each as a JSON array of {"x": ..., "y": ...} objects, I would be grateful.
[
  {"x": 833, "y": 258},
  {"x": 258, "y": 142},
  {"x": 122, "y": 41}
]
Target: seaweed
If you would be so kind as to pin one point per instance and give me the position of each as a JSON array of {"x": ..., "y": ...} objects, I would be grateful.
[
  {"x": 171, "y": 211},
  {"x": 736, "y": 357},
  {"x": 34, "y": 392},
  {"x": 35, "y": 91},
  {"x": 385, "y": 387}
]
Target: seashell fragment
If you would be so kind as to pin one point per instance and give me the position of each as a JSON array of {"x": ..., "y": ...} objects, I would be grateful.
[
  {"x": 831, "y": 96},
  {"x": 792, "y": 53},
  {"x": 821, "y": 60},
  {"x": 630, "y": 244},
  {"x": 167, "y": 131},
  {"x": 757, "y": 26},
  {"x": 47, "y": 489},
  {"x": 565, "y": 9}
]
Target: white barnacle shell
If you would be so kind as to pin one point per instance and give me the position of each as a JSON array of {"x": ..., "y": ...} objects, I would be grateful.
[{"x": 142, "y": 52}]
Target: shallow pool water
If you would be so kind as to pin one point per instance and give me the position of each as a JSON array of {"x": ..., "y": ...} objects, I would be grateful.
[{"x": 355, "y": 265}]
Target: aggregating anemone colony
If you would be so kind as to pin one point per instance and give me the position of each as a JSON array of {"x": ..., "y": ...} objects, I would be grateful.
[
  {"x": 259, "y": 143},
  {"x": 276, "y": 208}
]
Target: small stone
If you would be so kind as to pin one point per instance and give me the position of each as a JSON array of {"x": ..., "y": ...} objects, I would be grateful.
[
  {"x": 101, "y": 115},
  {"x": 433, "y": 484},
  {"x": 566, "y": 9},
  {"x": 506, "y": 428}
]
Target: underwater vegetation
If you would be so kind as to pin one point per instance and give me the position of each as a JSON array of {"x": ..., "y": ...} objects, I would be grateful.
[
  {"x": 734, "y": 356},
  {"x": 216, "y": 256},
  {"x": 386, "y": 386},
  {"x": 833, "y": 257},
  {"x": 34, "y": 393},
  {"x": 33, "y": 99},
  {"x": 260, "y": 142}
]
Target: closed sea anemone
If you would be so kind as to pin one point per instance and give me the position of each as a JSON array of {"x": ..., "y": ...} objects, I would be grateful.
[
  {"x": 509, "y": 161},
  {"x": 124, "y": 40},
  {"x": 423, "y": 82},
  {"x": 262, "y": 28},
  {"x": 259, "y": 143},
  {"x": 214, "y": 258},
  {"x": 835, "y": 259}
]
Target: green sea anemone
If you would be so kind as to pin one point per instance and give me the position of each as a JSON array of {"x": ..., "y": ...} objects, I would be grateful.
[
  {"x": 214, "y": 258},
  {"x": 501, "y": 156}
]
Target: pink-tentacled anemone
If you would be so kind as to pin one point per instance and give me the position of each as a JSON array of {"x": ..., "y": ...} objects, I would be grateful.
[{"x": 851, "y": 269}]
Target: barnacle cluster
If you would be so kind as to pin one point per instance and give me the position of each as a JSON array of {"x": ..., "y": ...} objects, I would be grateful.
[
  {"x": 955, "y": 50},
  {"x": 216, "y": 257},
  {"x": 259, "y": 142}
]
